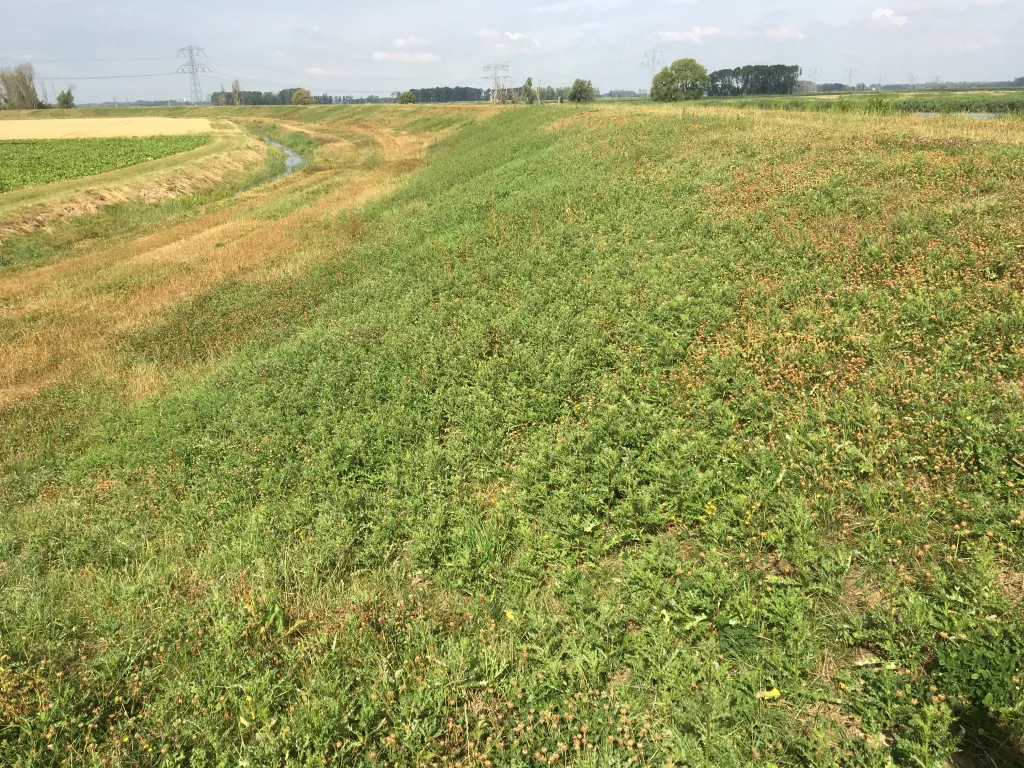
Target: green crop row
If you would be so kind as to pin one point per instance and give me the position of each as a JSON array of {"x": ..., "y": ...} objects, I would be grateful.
[
  {"x": 41, "y": 161},
  {"x": 879, "y": 103}
]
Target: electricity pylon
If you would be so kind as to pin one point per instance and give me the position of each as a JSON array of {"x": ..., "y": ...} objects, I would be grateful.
[
  {"x": 193, "y": 68},
  {"x": 496, "y": 73},
  {"x": 651, "y": 61}
]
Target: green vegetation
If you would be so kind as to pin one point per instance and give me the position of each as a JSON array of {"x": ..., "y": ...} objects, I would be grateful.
[
  {"x": 754, "y": 80},
  {"x": 66, "y": 98},
  {"x": 582, "y": 91},
  {"x": 24, "y": 163},
  {"x": 128, "y": 219},
  {"x": 407, "y": 98},
  {"x": 881, "y": 102},
  {"x": 682, "y": 80},
  {"x": 613, "y": 437},
  {"x": 302, "y": 97}
]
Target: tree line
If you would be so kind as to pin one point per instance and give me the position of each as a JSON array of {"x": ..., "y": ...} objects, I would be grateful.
[
  {"x": 446, "y": 94},
  {"x": 754, "y": 80},
  {"x": 18, "y": 90}
]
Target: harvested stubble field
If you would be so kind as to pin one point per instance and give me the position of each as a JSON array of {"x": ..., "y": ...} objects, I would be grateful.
[
  {"x": 535, "y": 436},
  {"x": 101, "y": 127}
]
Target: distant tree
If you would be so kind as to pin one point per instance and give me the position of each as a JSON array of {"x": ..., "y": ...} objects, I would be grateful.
[
  {"x": 440, "y": 95},
  {"x": 1019, "y": 82},
  {"x": 302, "y": 97},
  {"x": 681, "y": 80},
  {"x": 236, "y": 93},
  {"x": 222, "y": 97},
  {"x": 582, "y": 91},
  {"x": 407, "y": 98},
  {"x": 832, "y": 88},
  {"x": 66, "y": 98},
  {"x": 18, "y": 88},
  {"x": 862, "y": 86},
  {"x": 529, "y": 93}
]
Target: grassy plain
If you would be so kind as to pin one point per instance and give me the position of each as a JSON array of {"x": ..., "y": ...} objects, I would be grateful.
[{"x": 624, "y": 435}]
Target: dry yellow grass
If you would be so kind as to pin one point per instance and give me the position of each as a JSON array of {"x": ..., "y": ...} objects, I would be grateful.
[{"x": 102, "y": 128}]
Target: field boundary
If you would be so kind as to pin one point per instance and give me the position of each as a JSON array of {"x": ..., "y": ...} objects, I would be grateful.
[{"x": 229, "y": 151}]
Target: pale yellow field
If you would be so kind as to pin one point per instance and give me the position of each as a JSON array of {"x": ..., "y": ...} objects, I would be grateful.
[{"x": 101, "y": 127}]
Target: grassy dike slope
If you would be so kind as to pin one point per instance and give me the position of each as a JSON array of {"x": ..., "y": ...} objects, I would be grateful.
[{"x": 627, "y": 436}]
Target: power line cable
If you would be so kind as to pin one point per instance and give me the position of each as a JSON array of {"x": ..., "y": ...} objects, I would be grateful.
[
  {"x": 107, "y": 77},
  {"x": 107, "y": 61},
  {"x": 304, "y": 73},
  {"x": 260, "y": 81}
]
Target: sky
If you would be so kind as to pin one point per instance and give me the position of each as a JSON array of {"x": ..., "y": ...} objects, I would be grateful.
[{"x": 348, "y": 47}]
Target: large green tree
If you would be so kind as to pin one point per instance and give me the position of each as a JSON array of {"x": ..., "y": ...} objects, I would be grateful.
[
  {"x": 681, "y": 80},
  {"x": 407, "y": 98},
  {"x": 302, "y": 97},
  {"x": 581, "y": 91}
]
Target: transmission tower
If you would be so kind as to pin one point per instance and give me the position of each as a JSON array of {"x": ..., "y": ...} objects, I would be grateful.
[
  {"x": 497, "y": 74},
  {"x": 651, "y": 61},
  {"x": 193, "y": 68}
]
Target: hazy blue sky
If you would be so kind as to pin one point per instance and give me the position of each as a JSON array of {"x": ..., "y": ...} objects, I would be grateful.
[{"x": 352, "y": 47}]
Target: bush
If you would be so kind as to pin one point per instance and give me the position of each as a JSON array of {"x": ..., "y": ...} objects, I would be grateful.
[
  {"x": 66, "y": 99},
  {"x": 407, "y": 98},
  {"x": 581, "y": 91},
  {"x": 302, "y": 97}
]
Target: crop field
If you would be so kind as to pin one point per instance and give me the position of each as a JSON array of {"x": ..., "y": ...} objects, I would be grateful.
[
  {"x": 21, "y": 125},
  {"x": 26, "y": 163},
  {"x": 1007, "y": 103},
  {"x": 624, "y": 435},
  {"x": 53, "y": 180}
]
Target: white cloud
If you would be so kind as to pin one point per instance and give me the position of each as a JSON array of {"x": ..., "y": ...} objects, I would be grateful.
[
  {"x": 514, "y": 35},
  {"x": 784, "y": 34},
  {"x": 696, "y": 35},
  {"x": 418, "y": 58},
  {"x": 315, "y": 71},
  {"x": 886, "y": 17},
  {"x": 279, "y": 55},
  {"x": 488, "y": 34},
  {"x": 409, "y": 42}
]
